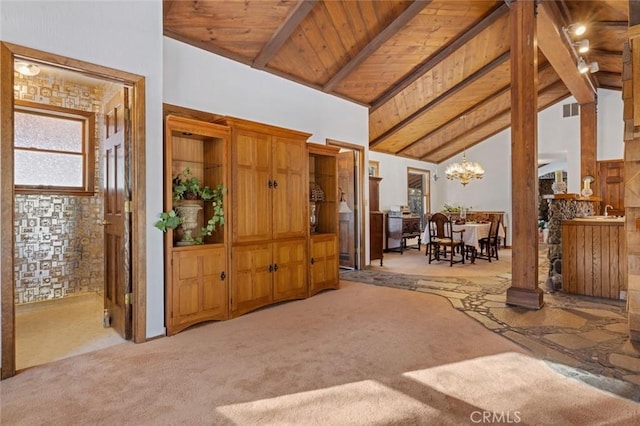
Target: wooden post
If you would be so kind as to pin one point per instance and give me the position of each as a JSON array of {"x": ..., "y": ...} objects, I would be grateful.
[
  {"x": 524, "y": 289},
  {"x": 588, "y": 143},
  {"x": 631, "y": 99}
]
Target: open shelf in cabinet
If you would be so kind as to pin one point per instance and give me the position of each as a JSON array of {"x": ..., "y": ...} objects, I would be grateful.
[{"x": 200, "y": 148}]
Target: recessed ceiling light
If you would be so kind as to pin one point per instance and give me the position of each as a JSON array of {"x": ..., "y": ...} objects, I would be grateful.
[{"x": 26, "y": 68}]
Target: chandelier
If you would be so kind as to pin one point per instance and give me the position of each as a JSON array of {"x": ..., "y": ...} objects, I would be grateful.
[{"x": 464, "y": 171}]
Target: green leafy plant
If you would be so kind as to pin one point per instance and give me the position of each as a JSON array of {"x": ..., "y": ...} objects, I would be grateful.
[{"x": 187, "y": 187}]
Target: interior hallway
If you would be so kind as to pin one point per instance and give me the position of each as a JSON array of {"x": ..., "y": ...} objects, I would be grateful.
[{"x": 585, "y": 333}]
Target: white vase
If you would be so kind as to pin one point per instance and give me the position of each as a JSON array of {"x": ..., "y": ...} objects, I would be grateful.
[
  {"x": 559, "y": 187},
  {"x": 313, "y": 217},
  {"x": 189, "y": 215}
]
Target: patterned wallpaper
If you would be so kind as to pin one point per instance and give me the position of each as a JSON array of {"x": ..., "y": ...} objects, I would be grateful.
[{"x": 59, "y": 240}]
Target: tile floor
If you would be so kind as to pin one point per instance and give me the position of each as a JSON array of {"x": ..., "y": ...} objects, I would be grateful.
[
  {"x": 584, "y": 337},
  {"x": 52, "y": 330}
]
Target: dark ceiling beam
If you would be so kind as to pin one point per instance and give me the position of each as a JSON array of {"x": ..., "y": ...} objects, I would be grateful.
[
  {"x": 558, "y": 84},
  {"x": 441, "y": 54},
  {"x": 624, "y": 24},
  {"x": 457, "y": 117},
  {"x": 293, "y": 20},
  {"x": 205, "y": 45},
  {"x": 556, "y": 48},
  {"x": 604, "y": 52},
  {"x": 452, "y": 91},
  {"x": 166, "y": 8},
  {"x": 392, "y": 29},
  {"x": 468, "y": 111}
]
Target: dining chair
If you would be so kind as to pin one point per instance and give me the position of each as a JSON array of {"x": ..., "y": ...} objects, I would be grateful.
[
  {"x": 441, "y": 237},
  {"x": 489, "y": 245}
]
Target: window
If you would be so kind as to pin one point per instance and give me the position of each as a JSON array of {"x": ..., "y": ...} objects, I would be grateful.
[
  {"x": 53, "y": 149},
  {"x": 418, "y": 193}
]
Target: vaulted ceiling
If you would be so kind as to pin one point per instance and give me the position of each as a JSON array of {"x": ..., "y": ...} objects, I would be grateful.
[{"x": 435, "y": 75}]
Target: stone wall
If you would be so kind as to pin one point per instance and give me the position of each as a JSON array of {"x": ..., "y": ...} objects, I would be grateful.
[{"x": 563, "y": 209}]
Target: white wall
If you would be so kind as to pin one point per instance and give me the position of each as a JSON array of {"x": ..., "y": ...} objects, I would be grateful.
[
  {"x": 211, "y": 83},
  {"x": 123, "y": 35},
  {"x": 393, "y": 171},
  {"x": 558, "y": 138},
  {"x": 610, "y": 125}
]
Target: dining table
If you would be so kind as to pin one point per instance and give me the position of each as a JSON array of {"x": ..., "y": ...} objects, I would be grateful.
[{"x": 473, "y": 232}]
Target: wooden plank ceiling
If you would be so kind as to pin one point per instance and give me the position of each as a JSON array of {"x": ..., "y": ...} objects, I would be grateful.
[{"x": 434, "y": 74}]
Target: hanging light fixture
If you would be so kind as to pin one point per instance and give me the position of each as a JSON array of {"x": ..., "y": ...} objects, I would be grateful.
[
  {"x": 343, "y": 207},
  {"x": 464, "y": 171}
]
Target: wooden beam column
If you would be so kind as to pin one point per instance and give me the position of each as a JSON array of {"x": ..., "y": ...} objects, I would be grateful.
[
  {"x": 589, "y": 143},
  {"x": 631, "y": 116},
  {"x": 524, "y": 289}
]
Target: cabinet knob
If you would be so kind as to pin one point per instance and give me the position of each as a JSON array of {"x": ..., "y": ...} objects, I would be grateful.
[
  {"x": 270, "y": 183},
  {"x": 313, "y": 261},
  {"x": 275, "y": 183},
  {"x": 275, "y": 267},
  {"x": 270, "y": 268},
  {"x": 222, "y": 276}
]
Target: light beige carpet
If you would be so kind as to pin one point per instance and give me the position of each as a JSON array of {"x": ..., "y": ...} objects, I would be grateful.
[{"x": 361, "y": 355}]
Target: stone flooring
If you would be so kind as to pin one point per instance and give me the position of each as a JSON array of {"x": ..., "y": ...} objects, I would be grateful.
[{"x": 582, "y": 337}]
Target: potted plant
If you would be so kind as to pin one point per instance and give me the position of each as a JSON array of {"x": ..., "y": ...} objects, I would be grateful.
[{"x": 188, "y": 196}]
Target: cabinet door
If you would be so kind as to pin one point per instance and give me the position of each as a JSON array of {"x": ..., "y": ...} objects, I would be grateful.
[
  {"x": 324, "y": 265},
  {"x": 290, "y": 199},
  {"x": 251, "y": 283},
  {"x": 251, "y": 157},
  {"x": 290, "y": 274},
  {"x": 198, "y": 291}
]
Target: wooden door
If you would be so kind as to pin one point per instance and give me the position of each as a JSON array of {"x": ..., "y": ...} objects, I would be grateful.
[
  {"x": 611, "y": 177},
  {"x": 290, "y": 269},
  {"x": 252, "y": 192},
  {"x": 290, "y": 192},
  {"x": 347, "y": 229},
  {"x": 116, "y": 220},
  {"x": 251, "y": 277},
  {"x": 323, "y": 259},
  {"x": 199, "y": 287}
]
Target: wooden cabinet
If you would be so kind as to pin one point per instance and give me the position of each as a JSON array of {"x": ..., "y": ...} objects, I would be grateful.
[
  {"x": 376, "y": 221},
  {"x": 399, "y": 229},
  {"x": 324, "y": 260},
  {"x": 269, "y": 214},
  {"x": 195, "y": 275},
  {"x": 594, "y": 257},
  {"x": 198, "y": 291},
  {"x": 266, "y": 273},
  {"x": 269, "y": 167}
]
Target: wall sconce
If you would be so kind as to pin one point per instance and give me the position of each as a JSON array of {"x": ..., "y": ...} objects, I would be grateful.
[
  {"x": 435, "y": 175},
  {"x": 26, "y": 68},
  {"x": 583, "y": 67},
  {"x": 343, "y": 207}
]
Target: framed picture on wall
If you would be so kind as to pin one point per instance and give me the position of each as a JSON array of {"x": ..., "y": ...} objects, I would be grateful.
[{"x": 374, "y": 168}]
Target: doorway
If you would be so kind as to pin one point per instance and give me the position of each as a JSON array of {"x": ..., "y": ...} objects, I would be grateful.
[
  {"x": 351, "y": 222},
  {"x": 419, "y": 193},
  {"x": 56, "y": 282}
]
